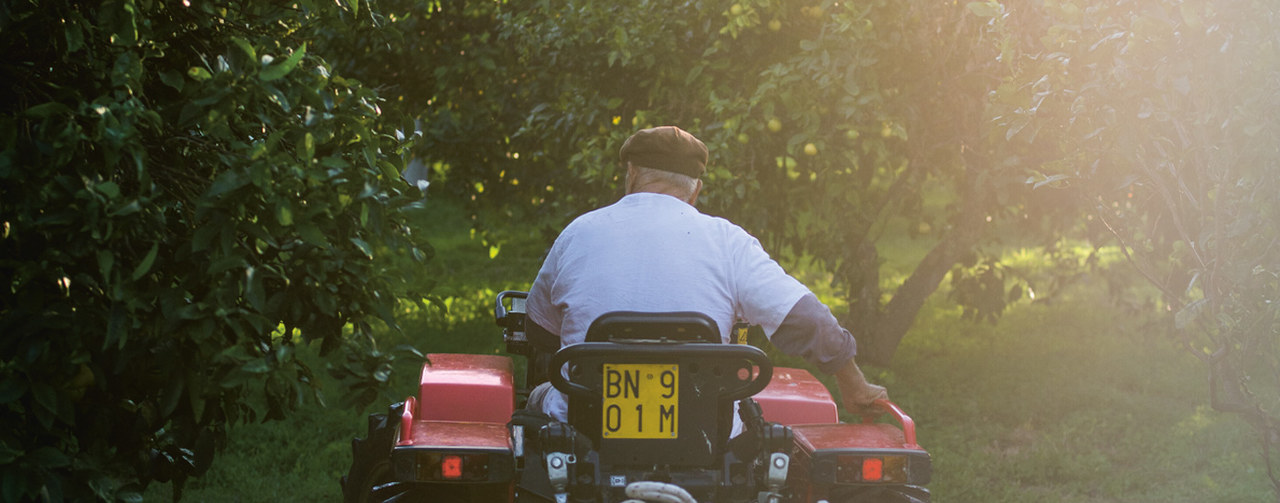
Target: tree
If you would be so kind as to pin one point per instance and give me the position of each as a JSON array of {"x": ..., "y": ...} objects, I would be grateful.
[
  {"x": 1156, "y": 120},
  {"x": 188, "y": 192},
  {"x": 824, "y": 134}
]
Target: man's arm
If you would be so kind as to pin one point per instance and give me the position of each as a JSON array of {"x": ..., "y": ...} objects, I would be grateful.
[{"x": 811, "y": 332}]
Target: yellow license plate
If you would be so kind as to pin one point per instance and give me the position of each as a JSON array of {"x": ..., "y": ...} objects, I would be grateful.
[{"x": 640, "y": 400}]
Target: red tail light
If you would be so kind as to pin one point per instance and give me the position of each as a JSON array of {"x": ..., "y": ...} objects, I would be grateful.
[
  {"x": 451, "y": 467},
  {"x": 851, "y": 469},
  {"x": 435, "y": 466},
  {"x": 872, "y": 469}
]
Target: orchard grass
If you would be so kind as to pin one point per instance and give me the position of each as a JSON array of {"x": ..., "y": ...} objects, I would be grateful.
[{"x": 1078, "y": 400}]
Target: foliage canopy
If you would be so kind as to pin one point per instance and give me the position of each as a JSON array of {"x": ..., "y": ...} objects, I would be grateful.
[{"x": 187, "y": 192}]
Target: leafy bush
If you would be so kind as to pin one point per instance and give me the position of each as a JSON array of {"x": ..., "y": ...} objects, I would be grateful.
[{"x": 188, "y": 191}]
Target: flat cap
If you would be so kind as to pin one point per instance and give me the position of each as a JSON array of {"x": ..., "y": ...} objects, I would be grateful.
[{"x": 667, "y": 148}]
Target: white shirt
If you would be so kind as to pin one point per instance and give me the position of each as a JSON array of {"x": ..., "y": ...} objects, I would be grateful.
[{"x": 652, "y": 252}]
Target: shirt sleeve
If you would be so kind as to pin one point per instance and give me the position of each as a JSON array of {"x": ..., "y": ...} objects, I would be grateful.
[
  {"x": 765, "y": 293},
  {"x": 541, "y": 308},
  {"x": 811, "y": 332}
]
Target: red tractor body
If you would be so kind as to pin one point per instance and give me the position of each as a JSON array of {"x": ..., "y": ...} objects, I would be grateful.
[{"x": 462, "y": 437}]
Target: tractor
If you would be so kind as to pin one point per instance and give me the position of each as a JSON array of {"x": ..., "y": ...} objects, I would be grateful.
[{"x": 652, "y": 399}]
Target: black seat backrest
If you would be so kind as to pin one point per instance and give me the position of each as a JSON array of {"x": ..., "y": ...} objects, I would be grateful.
[{"x": 681, "y": 326}]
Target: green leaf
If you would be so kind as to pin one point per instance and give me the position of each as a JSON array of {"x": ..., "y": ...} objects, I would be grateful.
[
  {"x": 1050, "y": 180},
  {"x": 146, "y": 263},
  {"x": 261, "y": 233},
  {"x": 225, "y": 264},
  {"x": 200, "y": 74},
  {"x": 311, "y": 234},
  {"x": 174, "y": 386},
  {"x": 8, "y": 454},
  {"x": 389, "y": 170},
  {"x": 1188, "y": 314},
  {"x": 116, "y": 335},
  {"x": 226, "y": 182},
  {"x": 126, "y": 31},
  {"x": 284, "y": 214},
  {"x": 245, "y": 46},
  {"x": 130, "y": 496},
  {"x": 48, "y": 457},
  {"x": 45, "y": 395},
  {"x": 45, "y": 110},
  {"x": 307, "y": 147},
  {"x": 127, "y": 70},
  {"x": 13, "y": 485},
  {"x": 106, "y": 259},
  {"x": 253, "y": 290},
  {"x": 335, "y": 162},
  {"x": 278, "y": 97},
  {"x": 278, "y": 71},
  {"x": 412, "y": 351},
  {"x": 74, "y": 35},
  {"x": 11, "y": 388},
  {"x": 363, "y": 246},
  {"x": 985, "y": 9},
  {"x": 195, "y": 396},
  {"x": 109, "y": 189},
  {"x": 126, "y": 209}
]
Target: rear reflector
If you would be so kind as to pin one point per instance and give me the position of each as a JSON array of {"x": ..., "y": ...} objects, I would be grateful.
[
  {"x": 451, "y": 467},
  {"x": 872, "y": 469},
  {"x": 851, "y": 469},
  {"x": 434, "y": 466}
]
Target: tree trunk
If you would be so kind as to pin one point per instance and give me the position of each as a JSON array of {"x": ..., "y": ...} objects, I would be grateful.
[{"x": 883, "y": 332}]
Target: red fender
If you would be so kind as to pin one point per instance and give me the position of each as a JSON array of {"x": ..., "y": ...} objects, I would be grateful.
[{"x": 794, "y": 396}]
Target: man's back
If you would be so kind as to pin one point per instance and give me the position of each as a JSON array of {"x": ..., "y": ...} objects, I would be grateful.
[{"x": 654, "y": 253}]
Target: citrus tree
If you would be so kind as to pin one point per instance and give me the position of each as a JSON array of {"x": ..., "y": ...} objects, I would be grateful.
[{"x": 188, "y": 192}]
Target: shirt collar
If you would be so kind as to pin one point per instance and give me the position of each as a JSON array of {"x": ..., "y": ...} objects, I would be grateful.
[{"x": 652, "y": 198}]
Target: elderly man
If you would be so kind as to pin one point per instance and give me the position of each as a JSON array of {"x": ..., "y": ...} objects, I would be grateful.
[{"x": 653, "y": 251}]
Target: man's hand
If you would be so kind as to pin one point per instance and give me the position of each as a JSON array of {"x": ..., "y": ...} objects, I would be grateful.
[
  {"x": 856, "y": 393},
  {"x": 859, "y": 401}
]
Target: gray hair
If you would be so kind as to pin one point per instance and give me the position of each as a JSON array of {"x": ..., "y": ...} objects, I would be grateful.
[{"x": 676, "y": 184}]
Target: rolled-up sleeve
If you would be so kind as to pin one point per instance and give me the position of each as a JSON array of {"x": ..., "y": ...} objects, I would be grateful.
[{"x": 811, "y": 332}]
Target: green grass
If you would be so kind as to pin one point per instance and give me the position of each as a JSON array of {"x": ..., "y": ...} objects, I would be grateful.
[
  {"x": 1077, "y": 401},
  {"x": 1074, "y": 402}
]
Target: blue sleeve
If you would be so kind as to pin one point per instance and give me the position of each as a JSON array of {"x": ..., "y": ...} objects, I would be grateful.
[{"x": 811, "y": 332}]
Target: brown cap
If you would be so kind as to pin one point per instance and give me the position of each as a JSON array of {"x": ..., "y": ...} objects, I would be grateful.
[{"x": 667, "y": 148}]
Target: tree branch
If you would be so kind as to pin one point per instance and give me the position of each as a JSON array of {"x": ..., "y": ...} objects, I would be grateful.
[{"x": 1124, "y": 248}]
